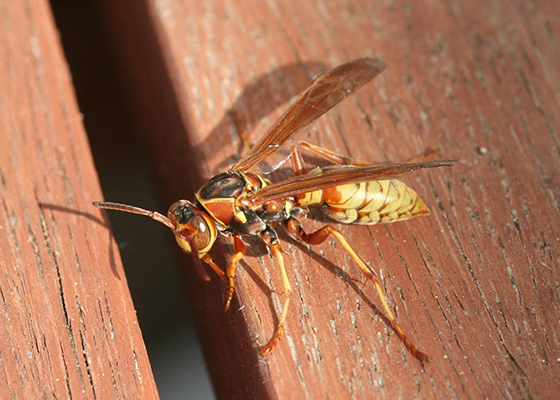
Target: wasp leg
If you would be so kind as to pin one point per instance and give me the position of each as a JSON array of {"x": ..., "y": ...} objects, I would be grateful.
[
  {"x": 269, "y": 236},
  {"x": 328, "y": 155},
  {"x": 338, "y": 159},
  {"x": 295, "y": 229},
  {"x": 424, "y": 156},
  {"x": 208, "y": 260},
  {"x": 242, "y": 132},
  {"x": 232, "y": 268}
]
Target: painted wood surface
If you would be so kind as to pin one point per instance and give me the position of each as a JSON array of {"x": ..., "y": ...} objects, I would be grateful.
[{"x": 475, "y": 285}]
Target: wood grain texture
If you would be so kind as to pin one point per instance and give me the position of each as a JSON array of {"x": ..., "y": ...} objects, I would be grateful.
[
  {"x": 68, "y": 327},
  {"x": 475, "y": 285}
]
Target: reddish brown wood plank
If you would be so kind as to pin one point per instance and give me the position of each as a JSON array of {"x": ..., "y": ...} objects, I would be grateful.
[
  {"x": 475, "y": 285},
  {"x": 68, "y": 327}
]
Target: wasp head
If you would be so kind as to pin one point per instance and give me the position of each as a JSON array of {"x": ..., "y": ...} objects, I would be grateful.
[{"x": 194, "y": 230}]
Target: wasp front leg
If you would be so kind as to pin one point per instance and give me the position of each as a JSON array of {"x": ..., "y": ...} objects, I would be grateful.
[
  {"x": 295, "y": 229},
  {"x": 208, "y": 260}
]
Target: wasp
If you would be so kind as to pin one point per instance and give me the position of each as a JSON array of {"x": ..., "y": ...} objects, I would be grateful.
[{"x": 242, "y": 202}]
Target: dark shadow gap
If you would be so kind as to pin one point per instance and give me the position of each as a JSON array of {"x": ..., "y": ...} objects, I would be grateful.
[{"x": 126, "y": 174}]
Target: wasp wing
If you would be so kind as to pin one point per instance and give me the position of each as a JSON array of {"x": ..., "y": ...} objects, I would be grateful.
[
  {"x": 325, "y": 92},
  {"x": 334, "y": 176}
]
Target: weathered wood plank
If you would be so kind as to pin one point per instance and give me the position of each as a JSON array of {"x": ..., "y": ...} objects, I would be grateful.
[
  {"x": 68, "y": 327},
  {"x": 475, "y": 285}
]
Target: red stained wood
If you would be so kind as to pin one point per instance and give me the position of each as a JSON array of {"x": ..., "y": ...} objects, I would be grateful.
[
  {"x": 474, "y": 285},
  {"x": 67, "y": 327}
]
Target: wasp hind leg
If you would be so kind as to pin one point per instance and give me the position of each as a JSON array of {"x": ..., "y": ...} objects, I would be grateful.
[
  {"x": 271, "y": 239},
  {"x": 328, "y": 155},
  {"x": 337, "y": 159},
  {"x": 295, "y": 229}
]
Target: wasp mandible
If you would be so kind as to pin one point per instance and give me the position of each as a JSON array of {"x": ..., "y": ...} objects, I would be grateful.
[{"x": 243, "y": 202}]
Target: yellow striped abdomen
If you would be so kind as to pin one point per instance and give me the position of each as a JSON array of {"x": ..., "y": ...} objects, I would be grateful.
[{"x": 367, "y": 203}]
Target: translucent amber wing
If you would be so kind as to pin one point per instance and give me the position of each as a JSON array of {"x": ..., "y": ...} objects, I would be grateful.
[
  {"x": 335, "y": 176},
  {"x": 325, "y": 92}
]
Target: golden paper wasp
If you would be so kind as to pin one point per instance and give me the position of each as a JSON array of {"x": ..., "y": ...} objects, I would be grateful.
[{"x": 242, "y": 202}]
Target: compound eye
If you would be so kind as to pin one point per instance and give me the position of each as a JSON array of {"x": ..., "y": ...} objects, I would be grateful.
[{"x": 203, "y": 236}]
